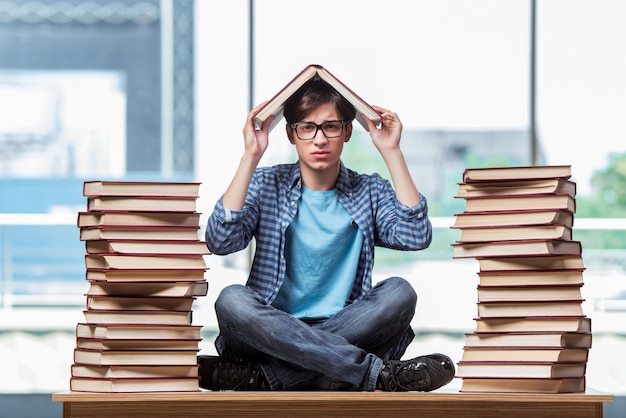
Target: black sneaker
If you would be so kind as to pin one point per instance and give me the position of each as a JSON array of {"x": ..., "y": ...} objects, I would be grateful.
[
  {"x": 217, "y": 373},
  {"x": 424, "y": 373}
]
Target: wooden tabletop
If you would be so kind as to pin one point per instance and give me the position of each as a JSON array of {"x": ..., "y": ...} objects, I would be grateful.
[{"x": 285, "y": 396}]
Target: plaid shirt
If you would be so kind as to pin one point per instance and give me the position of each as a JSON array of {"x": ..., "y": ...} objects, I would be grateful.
[{"x": 272, "y": 203}]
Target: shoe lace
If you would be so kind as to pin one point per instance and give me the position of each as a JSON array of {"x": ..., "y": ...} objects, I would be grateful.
[
  {"x": 239, "y": 375},
  {"x": 406, "y": 376}
]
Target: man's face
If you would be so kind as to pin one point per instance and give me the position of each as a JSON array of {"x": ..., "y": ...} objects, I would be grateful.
[{"x": 320, "y": 153}]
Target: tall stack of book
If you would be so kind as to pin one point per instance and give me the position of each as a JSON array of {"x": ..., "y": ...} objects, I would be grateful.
[
  {"x": 531, "y": 332},
  {"x": 145, "y": 267}
]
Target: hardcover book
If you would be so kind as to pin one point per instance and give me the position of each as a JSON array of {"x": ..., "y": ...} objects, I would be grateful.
[
  {"x": 538, "y": 278},
  {"x": 140, "y": 188},
  {"x": 519, "y": 187},
  {"x": 546, "y": 324},
  {"x": 141, "y": 204},
  {"x": 143, "y": 262},
  {"x": 531, "y": 263},
  {"x": 535, "y": 385},
  {"x": 140, "y": 303},
  {"x": 276, "y": 104},
  {"x": 517, "y": 173},
  {"x": 526, "y": 203},
  {"x": 125, "y": 385},
  {"x": 135, "y": 357},
  {"x": 139, "y": 233},
  {"x": 139, "y": 288},
  {"x": 531, "y": 308},
  {"x": 516, "y": 248},
  {"x": 529, "y": 340},
  {"x": 510, "y": 369},
  {"x": 147, "y": 275},
  {"x": 125, "y": 372},
  {"x": 516, "y": 233},
  {"x": 513, "y": 218},
  {"x": 528, "y": 293},
  {"x": 136, "y": 344},
  {"x": 138, "y": 219},
  {"x": 523, "y": 355},
  {"x": 130, "y": 331},
  {"x": 138, "y": 317},
  {"x": 148, "y": 247}
]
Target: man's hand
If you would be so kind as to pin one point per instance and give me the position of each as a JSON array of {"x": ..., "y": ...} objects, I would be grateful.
[
  {"x": 256, "y": 140},
  {"x": 387, "y": 137}
]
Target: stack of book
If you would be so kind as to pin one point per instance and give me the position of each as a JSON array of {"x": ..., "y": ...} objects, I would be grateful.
[
  {"x": 531, "y": 332},
  {"x": 145, "y": 267}
]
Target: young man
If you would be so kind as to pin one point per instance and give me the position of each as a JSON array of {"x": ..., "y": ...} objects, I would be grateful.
[{"x": 308, "y": 317}]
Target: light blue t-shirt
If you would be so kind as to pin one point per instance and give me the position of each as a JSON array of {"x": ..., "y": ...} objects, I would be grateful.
[{"x": 322, "y": 253}]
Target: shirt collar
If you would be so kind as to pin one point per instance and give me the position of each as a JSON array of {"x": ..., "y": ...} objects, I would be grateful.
[
  {"x": 343, "y": 182},
  {"x": 294, "y": 176}
]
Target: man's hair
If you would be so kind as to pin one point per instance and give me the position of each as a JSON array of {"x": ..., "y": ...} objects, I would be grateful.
[{"x": 313, "y": 94}]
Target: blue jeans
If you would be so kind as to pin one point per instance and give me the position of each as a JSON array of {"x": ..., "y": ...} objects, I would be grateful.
[{"x": 345, "y": 351}]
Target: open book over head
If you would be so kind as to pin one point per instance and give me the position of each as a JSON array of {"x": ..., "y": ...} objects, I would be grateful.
[{"x": 276, "y": 104}]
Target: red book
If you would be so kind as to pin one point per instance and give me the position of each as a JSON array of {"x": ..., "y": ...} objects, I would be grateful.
[
  {"x": 140, "y": 188},
  {"x": 276, "y": 104}
]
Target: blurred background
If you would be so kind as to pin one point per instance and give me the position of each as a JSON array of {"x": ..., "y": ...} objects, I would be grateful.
[{"x": 160, "y": 89}]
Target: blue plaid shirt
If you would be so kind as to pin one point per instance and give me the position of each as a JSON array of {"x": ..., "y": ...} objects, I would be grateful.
[{"x": 272, "y": 203}]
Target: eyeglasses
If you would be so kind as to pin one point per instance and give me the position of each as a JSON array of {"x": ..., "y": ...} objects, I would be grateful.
[{"x": 308, "y": 130}]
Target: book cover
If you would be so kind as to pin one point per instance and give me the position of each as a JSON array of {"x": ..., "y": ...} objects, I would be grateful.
[
  {"x": 130, "y": 331},
  {"x": 176, "y": 289},
  {"x": 126, "y": 385},
  {"x": 517, "y": 173},
  {"x": 125, "y": 372},
  {"x": 513, "y": 218},
  {"x": 528, "y": 293},
  {"x": 140, "y": 188},
  {"x": 510, "y": 369},
  {"x": 143, "y": 262},
  {"x": 526, "y": 203},
  {"x": 135, "y": 357},
  {"x": 548, "y": 324},
  {"x": 503, "y": 385},
  {"x": 137, "y": 219},
  {"x": 141, "y": 204},
  {"x": 562, "y": 277},
  {"x": 530, "y": 263},
  {"x": 150, "y": 247},
  {"x": 139, "y": 233},
  {"x": 103, "y": 344},
  {"x": 138, "y": 317},
  {"x": 529, "y": 340},
  {"x": 276, "y": 104},
  {"x": 524, "y": 355},
  {"x": 516, "y": 233},
  {"x": 519, "y": 187},
  {"x": 530, "y": 309},
  {"x": 162, "y": 275},
  {"x": 516, "y": 248},
  {"x": 139, "y": 303}
]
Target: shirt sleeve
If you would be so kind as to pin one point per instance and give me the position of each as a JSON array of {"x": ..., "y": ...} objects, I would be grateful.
[
  {"x": 399, "y": 226},
  {"x": 225, "y": 232}
]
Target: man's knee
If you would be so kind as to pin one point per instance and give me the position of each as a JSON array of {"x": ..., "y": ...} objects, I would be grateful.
[
  {"x": 403, "y": 290},
  {"x": 230, "y": 300}
]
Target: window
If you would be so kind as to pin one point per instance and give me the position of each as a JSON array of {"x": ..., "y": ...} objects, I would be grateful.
[{"x": 159, "y": 89}]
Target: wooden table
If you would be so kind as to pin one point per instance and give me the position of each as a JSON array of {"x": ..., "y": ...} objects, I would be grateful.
[{"x": 440, "y": 404}]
